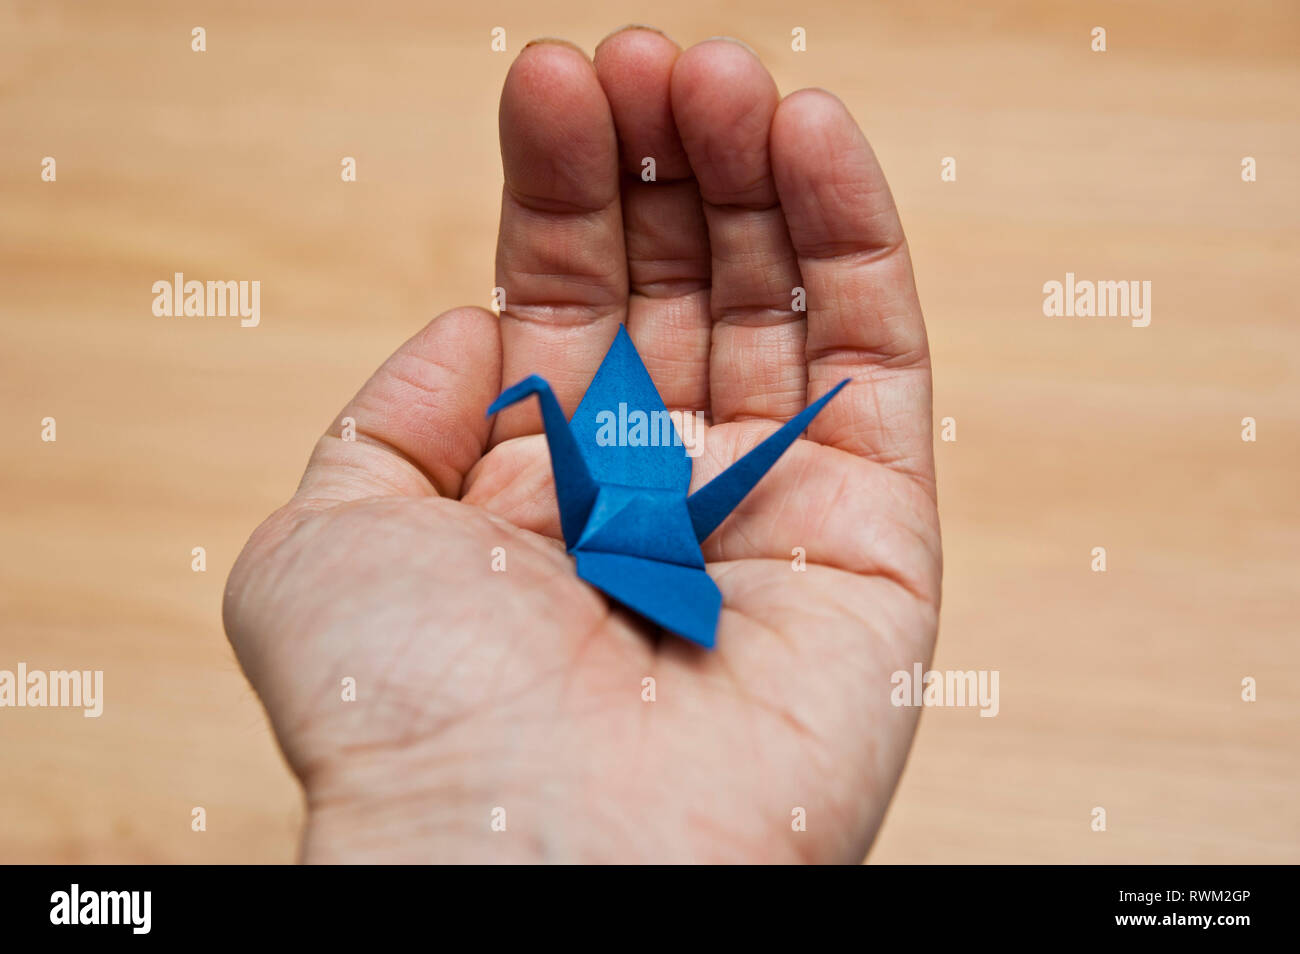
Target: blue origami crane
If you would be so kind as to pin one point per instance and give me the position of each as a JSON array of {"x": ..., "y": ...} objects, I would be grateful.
[{"x": 621, "y": 479}]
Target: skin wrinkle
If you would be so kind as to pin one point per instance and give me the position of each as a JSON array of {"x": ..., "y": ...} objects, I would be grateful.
[
  {"x": 320, "y": 798},
  {"x": 301, "y": 720},
  {"x": 657, "y": 289},
  {"x": 397, "y": 370},
  {"x": 778, "y": 276},
  {"x": 368, "y": 437},
  {"x": 444, "y": 448},
  {"x": 417, "y": 632},
  {"x": 630, "y": 175},
  {"x": 841, "y": 490},
  {"x": 401, "y": 651},
  {"x": 505, "y": 654},
  {"x": 852, "y": 254},
  {"x": 717, "y": 151},
  {"x": 720, "y": 146},
  {"x": 742, "y": 208},
  {"x": 901, "y": 464},
  {"x": 787, "y": 495},
  {"x": 849, "y": 356},
  {"x": 555, "y": 263},
  {"x": 737, "y": 531},
  {"x": 664, "y": 289},
  {"x": 755, "y": 316},
  {"x": 738, "y": 694},
  {"x": 757, "y": 238},
  {"x": 584, "y": 644},
  {"x": 668, "y": 362},
  {"x": 431, "y": 359},
  {"x": 857, "y": 252},
  {"x": 746, "y": 418},
  {"x": 364, "y": 475},
  {"x": 561, "y": 208},
  {"x": 564, "y": 234},
  {"x": 559, "y": 313},
  {"x": 871, "y": 625},
  {"x": 434, "y": 731}
]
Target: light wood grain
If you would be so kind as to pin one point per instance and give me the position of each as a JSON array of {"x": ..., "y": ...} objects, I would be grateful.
[{"x": 1119, "y": 689}]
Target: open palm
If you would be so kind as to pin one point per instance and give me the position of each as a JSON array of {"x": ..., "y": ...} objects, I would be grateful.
[{"x": 421, "y": 562}]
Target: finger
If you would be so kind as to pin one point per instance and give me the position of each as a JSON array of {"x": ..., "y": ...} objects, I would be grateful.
[
  {"x": 723, "y": 102},
  {"x": 864, "y": 319},
  {"x": 663, "y": 222},
  {"x": 417, "y": 426},
  {"x": 560, "y": 252}
]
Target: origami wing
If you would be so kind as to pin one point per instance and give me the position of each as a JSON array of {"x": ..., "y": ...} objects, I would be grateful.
[{"x": 710, "y": 504}]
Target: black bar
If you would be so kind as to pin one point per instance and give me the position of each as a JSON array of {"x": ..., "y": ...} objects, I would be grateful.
[{"x": 328, "y": 905}]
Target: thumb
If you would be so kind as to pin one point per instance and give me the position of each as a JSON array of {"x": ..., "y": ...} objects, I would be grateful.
[{"x": 417, "y": 426}]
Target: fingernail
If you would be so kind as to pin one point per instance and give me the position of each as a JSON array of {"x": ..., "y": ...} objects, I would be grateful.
[
  {"x": 732, "y": 39},
  {"x": 636, "y": 26},
  {"x": 556, "y": 41}
]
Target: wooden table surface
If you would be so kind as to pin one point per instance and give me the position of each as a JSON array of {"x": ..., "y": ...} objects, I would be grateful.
[{"x": 1119, "y": 689}]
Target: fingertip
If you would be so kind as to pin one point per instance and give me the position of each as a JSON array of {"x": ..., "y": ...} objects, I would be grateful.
[
  {"x": 415, "y": 422},
  {"x": 732, "y": 40},
  {"x": 557, "y": 135},
  {"x": 465, "y": 315},
  {"x": 830, "y": 183},
  {"x": 549, "y": 70},
  {"x": 635, "y": 67},
  {"x": 552, "y": 72},
  {"x": 723, "y": 100},
  {"x": 811, "y": 108},
  {"x": 637, "y": 34},
  {"x": 627, "y": 58},
  {"x": 721, "y": 65}
]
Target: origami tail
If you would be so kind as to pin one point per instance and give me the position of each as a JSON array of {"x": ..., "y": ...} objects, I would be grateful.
[
  {"x": 574, "y": 486},
  {"x": 710, "y": 504},
  {"x": 682, "y": 599}
]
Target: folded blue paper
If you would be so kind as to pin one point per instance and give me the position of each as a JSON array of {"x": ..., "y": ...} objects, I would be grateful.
[{"x": 622, "y": 491}]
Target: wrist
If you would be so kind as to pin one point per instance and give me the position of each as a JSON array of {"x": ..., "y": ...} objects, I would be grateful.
[
  {"x": 403, "y": 810},
  {"x": 398, "y": 810}
]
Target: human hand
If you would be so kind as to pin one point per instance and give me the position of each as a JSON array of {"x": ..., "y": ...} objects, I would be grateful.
[{"x": 523, "y": 689}]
